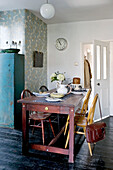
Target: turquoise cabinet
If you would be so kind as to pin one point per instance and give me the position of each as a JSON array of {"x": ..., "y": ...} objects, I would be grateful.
[{"x": 11, "y": 86}]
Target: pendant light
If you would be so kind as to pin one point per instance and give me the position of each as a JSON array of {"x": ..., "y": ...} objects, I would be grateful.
[{"x": 47, "y": 11}]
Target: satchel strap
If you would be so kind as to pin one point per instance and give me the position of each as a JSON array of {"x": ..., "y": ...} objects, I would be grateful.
[{"x": 100, "y": 107}]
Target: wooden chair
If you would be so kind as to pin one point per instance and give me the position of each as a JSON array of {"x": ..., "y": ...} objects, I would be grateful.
[
  {"x": 37, "y": 117},
  {"x": 82, "y": 111},
  {"x": 26, "y": 93},
  {"x": 43, "y": 89},
  {"x": 82, "y": 122}
]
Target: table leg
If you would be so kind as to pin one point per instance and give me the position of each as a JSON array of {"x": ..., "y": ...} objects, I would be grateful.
[
  {"x": 71, "y": 138},
  {"x": 58, "y": 122},
  {"x": 25, "y": 134}
]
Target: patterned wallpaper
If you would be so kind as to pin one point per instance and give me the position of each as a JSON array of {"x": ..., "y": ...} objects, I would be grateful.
[
  {"x": 22, "y": 25},
  {"x": 35, "y": 40}
]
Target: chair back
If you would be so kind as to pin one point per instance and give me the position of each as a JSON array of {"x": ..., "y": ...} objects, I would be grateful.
[
  {"x": 43, "y": 89},
  {"x": 26, "y": 93},
  {"x": 92, "y": 110},
  {"x": 85, "y": 104}
]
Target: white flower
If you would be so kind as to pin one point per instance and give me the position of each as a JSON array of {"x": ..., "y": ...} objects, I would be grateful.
[
  {"x": 57, "y": 76},
  {"x": 53, "y": 75},
  {"x": 60, "y": 77}
]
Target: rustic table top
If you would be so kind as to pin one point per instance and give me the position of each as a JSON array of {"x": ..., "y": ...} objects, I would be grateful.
[{"x": 70, "y": 100}]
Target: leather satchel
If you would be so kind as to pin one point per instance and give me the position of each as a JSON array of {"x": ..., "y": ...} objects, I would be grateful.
[{"x": 96, "y": 131}]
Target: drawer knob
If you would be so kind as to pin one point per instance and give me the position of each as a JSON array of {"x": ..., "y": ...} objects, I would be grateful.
[{"x": 46, "y": 108}]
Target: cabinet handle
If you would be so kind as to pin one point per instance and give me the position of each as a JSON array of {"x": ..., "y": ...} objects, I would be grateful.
[{"x": 46, "y": 108}]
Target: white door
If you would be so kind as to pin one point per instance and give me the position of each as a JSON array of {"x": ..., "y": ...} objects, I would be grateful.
[{"x": 102, "y": 76}]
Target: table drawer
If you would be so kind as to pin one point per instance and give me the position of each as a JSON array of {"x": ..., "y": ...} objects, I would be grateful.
[
  {"x": 43, "y": 108},
  {"x": 48, "y": 108}
]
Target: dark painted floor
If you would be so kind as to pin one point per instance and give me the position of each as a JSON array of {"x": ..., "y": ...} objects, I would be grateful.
[{"x": 11, "y": 157}]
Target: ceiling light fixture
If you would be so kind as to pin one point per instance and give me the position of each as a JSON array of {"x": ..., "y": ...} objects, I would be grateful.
[{"x": 47, "y": 11}]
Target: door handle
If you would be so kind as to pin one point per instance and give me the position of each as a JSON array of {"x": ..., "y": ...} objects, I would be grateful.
[{"x": 98, "y": 84}]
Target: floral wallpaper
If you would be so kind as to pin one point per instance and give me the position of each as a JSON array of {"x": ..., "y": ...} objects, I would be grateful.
[
  {"x": 23, "y": 25},
  {"x": 35, "y": 40}
]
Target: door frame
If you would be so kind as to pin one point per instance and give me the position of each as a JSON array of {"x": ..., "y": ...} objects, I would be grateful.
[
  {"x": 82, "y": 60},
  {"x": 111, "y": 77}
]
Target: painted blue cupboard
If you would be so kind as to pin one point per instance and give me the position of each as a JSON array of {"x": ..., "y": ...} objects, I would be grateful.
[{"x": 11, "y": 86}]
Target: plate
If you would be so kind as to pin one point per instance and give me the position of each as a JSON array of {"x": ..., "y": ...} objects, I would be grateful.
[
  {"x": 56, "y": 95},
  {"x": 50, "y": 99},
  {"x": 76, "y": 92},
  {"x": 41, "y": 94}
]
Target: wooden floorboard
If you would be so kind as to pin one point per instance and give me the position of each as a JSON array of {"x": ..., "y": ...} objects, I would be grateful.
[{"x": 11, "y": 157}]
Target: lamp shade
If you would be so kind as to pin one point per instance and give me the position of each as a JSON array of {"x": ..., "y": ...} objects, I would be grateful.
[{"x": 47, "y": 11}]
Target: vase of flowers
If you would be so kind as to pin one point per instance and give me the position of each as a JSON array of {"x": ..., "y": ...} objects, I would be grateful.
[{"x": 57, "y": 76}]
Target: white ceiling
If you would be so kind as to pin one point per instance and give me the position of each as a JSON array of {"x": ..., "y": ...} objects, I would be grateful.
[{"x": 66, "y": 10}]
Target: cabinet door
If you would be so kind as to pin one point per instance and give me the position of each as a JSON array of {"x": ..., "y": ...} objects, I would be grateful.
[
  {"x": 18, "y": 88},
  {"x": 7, "y": 90}
]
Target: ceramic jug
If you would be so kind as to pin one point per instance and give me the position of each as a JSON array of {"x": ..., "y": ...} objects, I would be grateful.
[{"x": 63, "y": 89}]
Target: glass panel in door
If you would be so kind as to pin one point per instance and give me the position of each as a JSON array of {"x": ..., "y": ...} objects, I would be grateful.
[
  {"x": 104, "y": 63},
  {"x": 98, "y": 62}
]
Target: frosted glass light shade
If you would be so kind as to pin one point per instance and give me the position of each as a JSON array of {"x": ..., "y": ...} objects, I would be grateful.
[{"x": 47, "y": 11}]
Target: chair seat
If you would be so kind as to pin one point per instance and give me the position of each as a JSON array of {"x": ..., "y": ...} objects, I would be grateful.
[
  {"x": 39, "y": 116},
  {"x": 80, "y": 121},
  {"x": 80, "y": 114}
]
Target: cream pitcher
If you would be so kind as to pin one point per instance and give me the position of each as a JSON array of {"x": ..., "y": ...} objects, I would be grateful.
[{"x": 63, "y": 89}]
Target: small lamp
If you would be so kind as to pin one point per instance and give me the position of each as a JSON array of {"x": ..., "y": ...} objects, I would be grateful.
[{"x": 47, "y": 11}]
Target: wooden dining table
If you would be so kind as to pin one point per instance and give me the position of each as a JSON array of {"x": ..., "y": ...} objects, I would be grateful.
[{"x": 67, "y": 107}]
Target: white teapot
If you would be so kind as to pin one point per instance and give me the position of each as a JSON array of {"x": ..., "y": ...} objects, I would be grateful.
[{"x": 63, "y": 89}]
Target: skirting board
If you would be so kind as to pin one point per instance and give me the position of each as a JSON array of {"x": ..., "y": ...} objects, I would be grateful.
[{"x": 102, "y": 118}]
